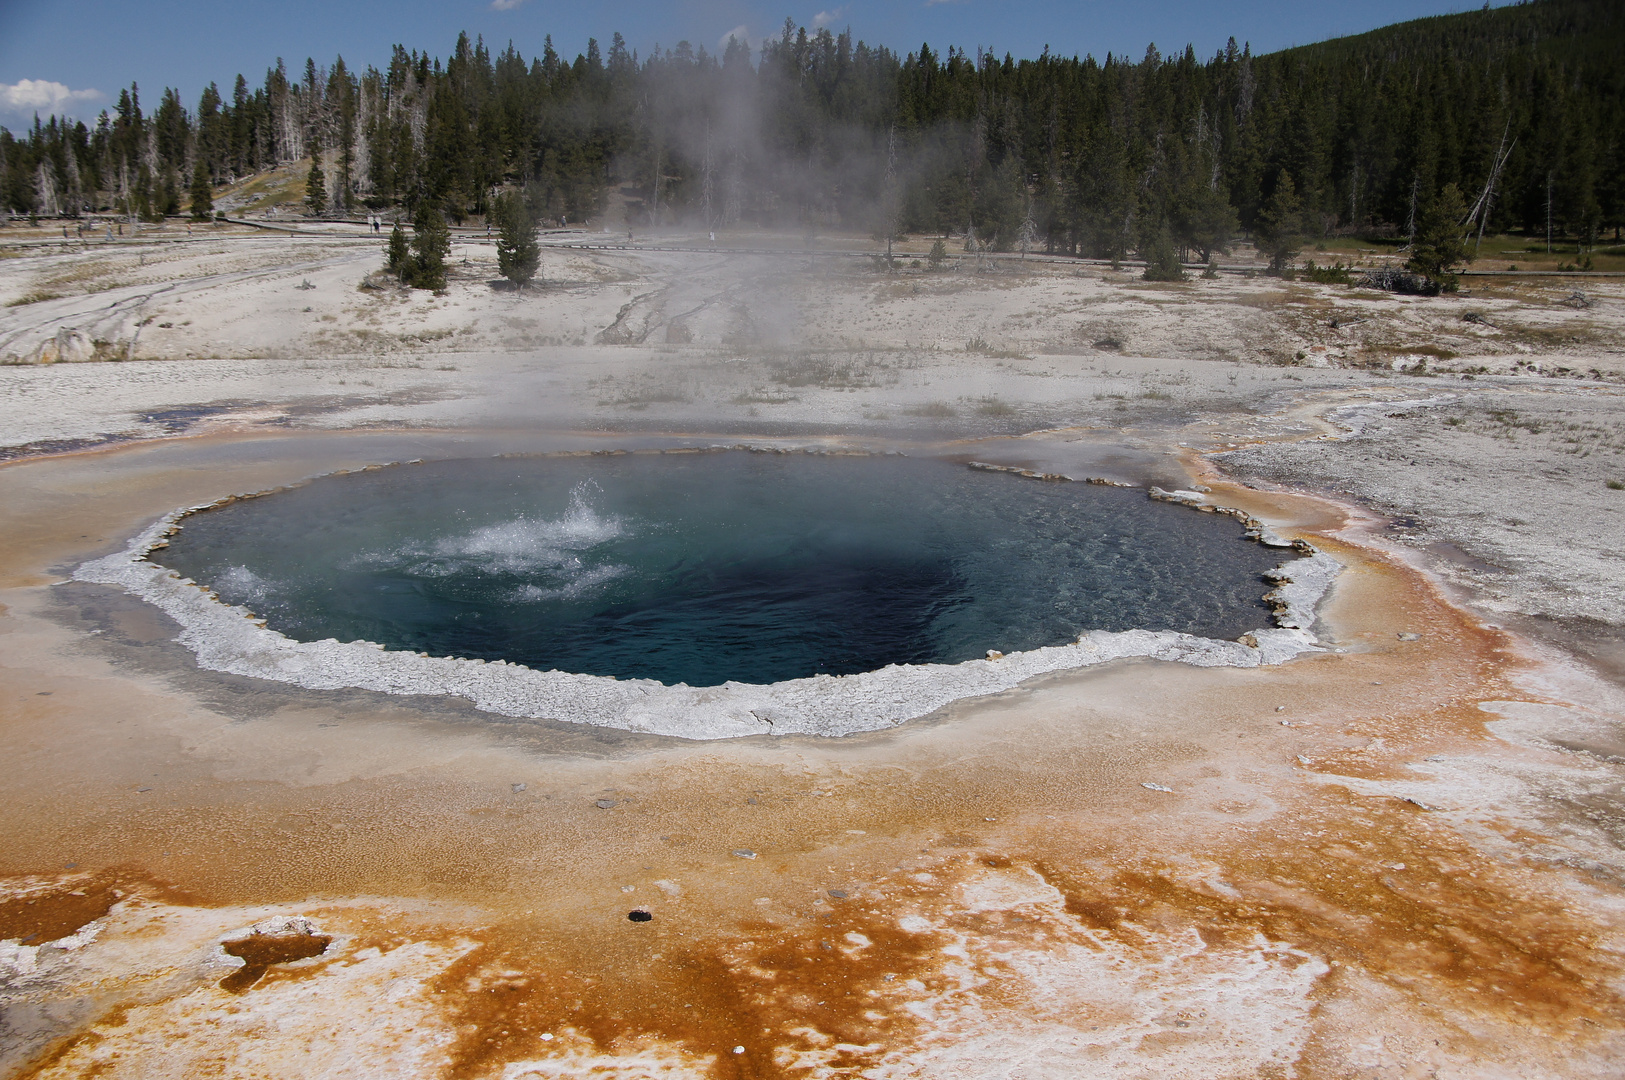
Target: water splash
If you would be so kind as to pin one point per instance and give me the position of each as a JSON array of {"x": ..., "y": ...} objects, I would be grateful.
[{"x": 545, "y": 553}]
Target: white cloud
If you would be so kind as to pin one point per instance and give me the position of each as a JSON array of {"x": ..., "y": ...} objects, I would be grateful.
[
  {"x": 29, "y": 96},
  {"x": 825, "y": 18},
  {"x": 742, "y": 32},
  {"x": 505, "y": 5}
]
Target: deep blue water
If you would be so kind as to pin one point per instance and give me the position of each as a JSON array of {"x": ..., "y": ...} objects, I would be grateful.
[{"x": 701, "y": 568}]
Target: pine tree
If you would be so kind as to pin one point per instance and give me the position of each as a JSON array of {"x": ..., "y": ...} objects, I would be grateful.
[
  {"x": 399, "y": 255},
  {"x": 315, "y": 181},
  {"x": 1203, "y": 221},
  {"x": 169, "y": 194},
  {"x": 1370, "y": 128},
  {"x": 431, "y": 243},
  {"x": 1161, "y": 260},
  {"x": 340, "y": 87},
  {"x": 1280, "y": 225},
  {"x": 518, "y": 254},
  {"x": 202, "y": 193},
  {"x": 1441, "y": 239}
]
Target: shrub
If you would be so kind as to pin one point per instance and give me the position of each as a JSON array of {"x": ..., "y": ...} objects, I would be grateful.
[{"x": 1336, "y": 274}]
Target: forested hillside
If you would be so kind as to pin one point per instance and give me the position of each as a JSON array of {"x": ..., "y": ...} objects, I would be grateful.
[{"x": 816, "y": 131}]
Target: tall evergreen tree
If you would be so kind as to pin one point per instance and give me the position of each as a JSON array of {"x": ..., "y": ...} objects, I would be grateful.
[
  {"x": 169, "y": 194},
  {"x": 1441, "y": 239},
  {"x": 1279, "y": 232},
  {"x": 316, "y": 180},
  {"x": 817, "y": 129},
  {"x": 341, "y": 92},
  {"x": 202, "y": 193}
]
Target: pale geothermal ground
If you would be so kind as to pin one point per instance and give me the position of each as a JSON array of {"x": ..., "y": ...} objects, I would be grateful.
[{"x": 1397, "y": 856}]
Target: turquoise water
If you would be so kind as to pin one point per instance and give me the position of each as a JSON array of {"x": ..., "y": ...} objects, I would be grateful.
[{"x": 703, "y": 568}]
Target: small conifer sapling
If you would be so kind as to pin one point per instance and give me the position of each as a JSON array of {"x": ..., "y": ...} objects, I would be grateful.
[
  {"x": 431, "y": 243},
  {"x": 518, "y": 254},
  {"x": 399, "y": 255}
]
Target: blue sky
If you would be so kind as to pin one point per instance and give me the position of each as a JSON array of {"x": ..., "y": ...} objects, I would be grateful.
[{"x": 72, "y": 56}]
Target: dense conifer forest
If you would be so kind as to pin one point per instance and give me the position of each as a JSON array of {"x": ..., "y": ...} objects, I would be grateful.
[{"x": 1102, "y": 157}]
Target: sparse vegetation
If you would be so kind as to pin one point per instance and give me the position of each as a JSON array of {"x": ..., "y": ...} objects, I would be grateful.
[
  {"x": 983, "y": 346},
  {"x": 1336, "y": 274},
  {"x": 757, "y": 396},
  {"x": 638, "y": 400},
  {"x": 828, "y": 371},
  {"x": 33, "y": 298}
]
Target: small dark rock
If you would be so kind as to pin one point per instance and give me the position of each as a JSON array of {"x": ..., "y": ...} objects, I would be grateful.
[
  {"x": 605, "y": 804},
  {"x": 639, "y": 915}
]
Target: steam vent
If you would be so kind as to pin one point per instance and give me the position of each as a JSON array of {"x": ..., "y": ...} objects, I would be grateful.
[{"x": 783, "y": 556}]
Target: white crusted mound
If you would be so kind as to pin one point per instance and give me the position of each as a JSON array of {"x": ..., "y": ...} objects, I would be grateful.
[{"x": 231, "y": 639}]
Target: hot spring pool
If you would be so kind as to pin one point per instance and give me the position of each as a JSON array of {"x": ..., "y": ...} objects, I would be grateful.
[{"x": 704, "y": 568}]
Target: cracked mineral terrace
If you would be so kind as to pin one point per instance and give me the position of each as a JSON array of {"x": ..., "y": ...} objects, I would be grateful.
[{"x": 1396, "y": 854}]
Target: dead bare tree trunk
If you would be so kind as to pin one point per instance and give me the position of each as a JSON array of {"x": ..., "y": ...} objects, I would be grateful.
[
  {"x": 1481, "y": 208},
  {"x": 890, "y": 196},
  {"x": 1410, "y": 222},
  {"x": 707, "y": 185},
  {"x": 1548, "y": 213}
]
